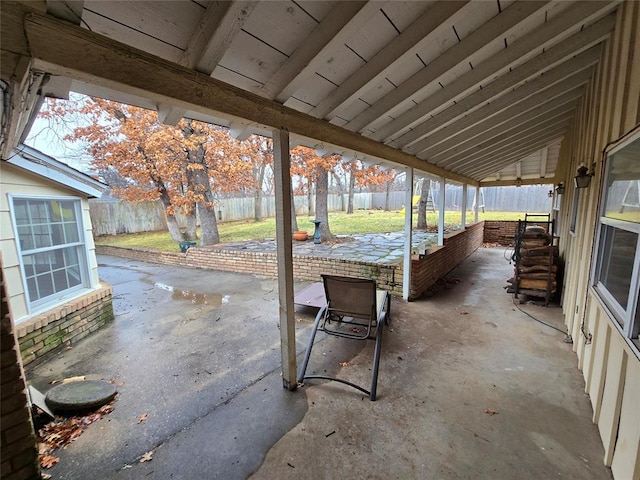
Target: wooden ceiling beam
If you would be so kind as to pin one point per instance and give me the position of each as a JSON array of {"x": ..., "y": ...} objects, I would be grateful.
[
  {"x": 517, "y": 119},
  {"x": 63, "y": 49},
  {"x": 328, "y": 28},
  {"x": 575, "y": 44},
  {"x": 218, "y": 27},
  {"x": 516, "y": 102},
  {"x": 524, "y": 181},
  {"x": 417, "y": 34},
  {"x": 576, "y": 14},
  {"x": 515, "y": 153},
  {"x": 453, "y": 161},
  {"x": 520, "y": 123},
  {"x": 479, "y": 158},
  {"x": 325, "y": 41}
]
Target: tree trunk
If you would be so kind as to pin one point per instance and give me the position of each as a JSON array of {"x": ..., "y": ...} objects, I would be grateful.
[
  {"x": 294, "y": 217},
  {"x": 422, "y": 207},
  {"x": 309, "y": 199},
  {"x": 322, "y": 211},
  {"x": 338, "y": 181},
  {"x": 352, "y": 185},
  {"x": 259, "y": 176},
  {"x": 190, "y": 234},
  {"x": 387, "y": 195}
]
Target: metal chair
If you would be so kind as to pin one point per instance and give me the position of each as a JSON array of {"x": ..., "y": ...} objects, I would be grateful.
[{"x": 356, "y": 310}]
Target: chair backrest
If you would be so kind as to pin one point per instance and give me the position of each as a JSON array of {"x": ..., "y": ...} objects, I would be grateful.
[{"x": 354, "y": 297}]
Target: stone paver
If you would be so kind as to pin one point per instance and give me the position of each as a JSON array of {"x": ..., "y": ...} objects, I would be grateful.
[{"x": 387, "y": 248}]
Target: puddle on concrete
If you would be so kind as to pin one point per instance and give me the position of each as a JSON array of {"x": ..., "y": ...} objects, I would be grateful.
[{"x": 213, "y": 299}]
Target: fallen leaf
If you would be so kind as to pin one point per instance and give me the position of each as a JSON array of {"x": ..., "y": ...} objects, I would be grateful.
[
  {"x": 142, "y": 418},
  {"x": 69, "y": 348},
  {"x": 355, "y": 330},
  {"x": 488, "y": 411},
  {"x": 344, "y": 364},
  {"x": 48, "y": 461},
  {"x": 464, "y": 313},
  {"x": 79, "y": 378},
  {"x": 147, "y": 457},
  {"x": 45, "y": 476},
  {"x": 53, "y": 382}
]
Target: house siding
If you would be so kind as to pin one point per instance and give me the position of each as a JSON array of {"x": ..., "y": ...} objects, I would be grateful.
[
  {"x": 17, "y": 181},
  {"x": 610, "y": 365}
]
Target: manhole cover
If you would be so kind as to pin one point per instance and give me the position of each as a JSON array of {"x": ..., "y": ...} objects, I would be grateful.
[{"x": 80, "y": 395}]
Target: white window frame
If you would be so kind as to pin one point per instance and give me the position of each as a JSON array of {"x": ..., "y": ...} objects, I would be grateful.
[
  {"x": 41, "y": 304},
  {"x": 575, "y": 208},
  {"x": 624, "y": 315}
]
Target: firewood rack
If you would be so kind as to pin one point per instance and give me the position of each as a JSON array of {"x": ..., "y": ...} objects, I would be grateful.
[{"x": 535, "y": 257}]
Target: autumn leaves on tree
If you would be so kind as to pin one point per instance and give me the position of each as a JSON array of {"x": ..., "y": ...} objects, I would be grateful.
[{"x": 189, "y": 166}]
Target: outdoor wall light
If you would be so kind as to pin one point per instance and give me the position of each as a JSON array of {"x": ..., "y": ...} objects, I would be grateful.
[
  {"x": 583, "y": 179},
  {"x": 560, "y": 188}
]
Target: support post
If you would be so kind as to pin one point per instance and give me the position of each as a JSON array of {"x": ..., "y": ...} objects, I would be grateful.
[
  {"x": 284, "y": 249},
  {"x": 408, "y": 233},
  {"x": 477, "y": 204},
  {"x": 441, "y": 210},
  {"x": 463, "y": 220}
]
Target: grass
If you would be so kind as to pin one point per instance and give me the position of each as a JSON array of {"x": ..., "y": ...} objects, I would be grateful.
[{"x": 361, "y": 221}]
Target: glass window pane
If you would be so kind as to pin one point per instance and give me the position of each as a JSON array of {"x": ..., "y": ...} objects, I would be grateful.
[
  {"x": 57, "y": 234},
  {"x": 20, "y": 211},
  {"x": 623, "y": 184},
  {"x": 33, "y": 289},
  {"x": 618, "y": 253},
  {"x": 71, "y": 233},
  {"x": 45, "y": 284}
]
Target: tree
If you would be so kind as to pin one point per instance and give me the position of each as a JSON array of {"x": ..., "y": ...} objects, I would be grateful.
[{"x": 184, "y": 166}]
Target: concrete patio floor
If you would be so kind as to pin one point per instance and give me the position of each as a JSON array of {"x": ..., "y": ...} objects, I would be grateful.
[{"x": 469, "y": 386}]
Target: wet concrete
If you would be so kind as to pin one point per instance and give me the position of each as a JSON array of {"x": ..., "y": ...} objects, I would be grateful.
[{"x": 469, "y": 387}]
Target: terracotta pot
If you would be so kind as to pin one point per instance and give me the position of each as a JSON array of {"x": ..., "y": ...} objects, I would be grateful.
[{"x": 301, "y": 236}]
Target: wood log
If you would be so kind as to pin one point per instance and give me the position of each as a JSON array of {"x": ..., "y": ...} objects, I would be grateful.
[
  {"x": 534, "y": 261},
  {"x": 538, "y": 242},
  {"x": 539, "y": 268},
  {"x": 536, "y": 275},
  {"x": 535, "y": 284},
  {"x": 537, "y": 251}
]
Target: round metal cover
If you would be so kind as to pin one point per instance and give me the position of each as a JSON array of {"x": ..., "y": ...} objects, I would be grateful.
[{"x": 80, "y": 395}]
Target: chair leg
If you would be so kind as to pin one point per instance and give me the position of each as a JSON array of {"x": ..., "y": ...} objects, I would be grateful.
[
  {"x": 307, "y": 354},
  {"x": 376, "y": 361}
]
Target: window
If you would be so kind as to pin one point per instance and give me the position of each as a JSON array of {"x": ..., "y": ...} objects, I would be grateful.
[
  {"x": 616, "y": 276},
  {"x": 51, "y": 247}
]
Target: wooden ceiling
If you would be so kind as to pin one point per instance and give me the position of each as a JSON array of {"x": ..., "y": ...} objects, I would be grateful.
[{"x": 485, "y": 90}]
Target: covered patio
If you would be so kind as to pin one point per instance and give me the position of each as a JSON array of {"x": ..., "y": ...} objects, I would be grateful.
[{"x": 470, "y": 387}]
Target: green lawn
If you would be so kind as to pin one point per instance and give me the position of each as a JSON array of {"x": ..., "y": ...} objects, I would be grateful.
[{"x": 362, "y": 221}]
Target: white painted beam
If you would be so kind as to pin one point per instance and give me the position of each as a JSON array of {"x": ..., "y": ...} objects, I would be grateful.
[
  {"x": 545, "y": 60},
  {"x": 478, "y": 99},
  {"x": 476, "y": 204},
  {"x": 240, "y": 131},
  {"x": 169, "y": 115},
  {"x": 408, "y": 233},
  {"x": 518, "y": 170},
  {"x": 328, "y": 28},
  {"x": 69, "y": 10},
  {"x": 395, "y": 52},
  {"x": 517, "y": 119},
  {"x": 519, "y": 123},
  {"x": 484, "y": 161},
  {"x": 574, "y": 15},
  {"x": 284, "y": 251},
  {"x": 500, "y": 111},
  {"x": 63, "y": 49},
  {"x": 463, "y": 219},
  {"x": 329, "y": 42},
  {"x": 56, "y": 87},
  {"x": 516, "y": 152},
  {"x": 543, "y": 162},
  {"x": 441, "y": 209},
  {"x": 222, "y": 31}
]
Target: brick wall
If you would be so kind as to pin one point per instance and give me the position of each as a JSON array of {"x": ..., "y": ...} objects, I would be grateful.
[
  {"x": 387, "y": 277},
  {"x": 501, "y": 232},
  {"x": 48, "y": 333},
  {"x": 427, "y": 269},
  {"x": 17, "y": 439}
]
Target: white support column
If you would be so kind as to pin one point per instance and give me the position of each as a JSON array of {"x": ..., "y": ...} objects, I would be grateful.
[
  {"x": 477, "y": 204},
  {"x": 408, "y": 233},
  {"x": 284, "y": 249},
  {"x": 441, "y": 200},
  {"x": 463, "y": 220}
]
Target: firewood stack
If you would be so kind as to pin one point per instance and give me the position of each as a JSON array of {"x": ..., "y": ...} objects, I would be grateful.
[{"x": 535, "y": 263}]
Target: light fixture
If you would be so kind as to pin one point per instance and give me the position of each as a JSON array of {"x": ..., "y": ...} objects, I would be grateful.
[
  {"x": 560, "y": 188},
  {"x": 583, "y": 178}
]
